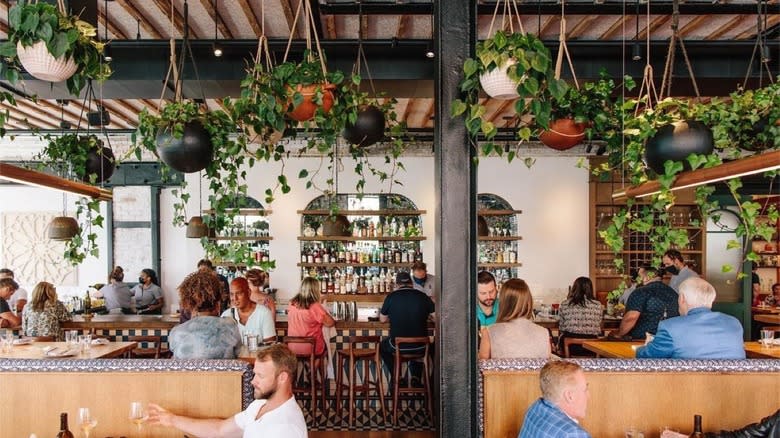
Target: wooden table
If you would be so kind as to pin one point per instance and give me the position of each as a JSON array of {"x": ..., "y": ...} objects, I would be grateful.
[
  {"x": 755, "y": 350},
  {"x": 613, "y": 349},
  {"x": 35, "y": 350},
  {"x": 769, "y": 319},
  {"x": 552, "y": 322},
  {"x": 774, "y": 310}
]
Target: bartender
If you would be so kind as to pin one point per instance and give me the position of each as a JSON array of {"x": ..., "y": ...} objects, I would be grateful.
[{"x": 147, "y": 293}]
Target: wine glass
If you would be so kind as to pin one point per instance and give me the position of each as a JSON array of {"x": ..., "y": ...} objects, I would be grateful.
[
  {"x": 137, "y": 415},
  {"x": 86, "y": 421}
]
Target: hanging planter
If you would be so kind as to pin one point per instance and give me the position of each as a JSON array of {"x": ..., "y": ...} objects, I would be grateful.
[
  {"x": 563, "y": 134},
  {"x": 190, "y": 150},
  {"x": 368, "y": 129},
  {"x": 42, "y": 65},
  {"x": 100, "y": 163},
  {"x": 63, "y": 228},
  {"x": 497, "y": 84},
  {"x": 83, "y": 155},
  {"x": 307, "y": 108},
  {"x": 197, "y": 228},
  {"x": 675, "y": 142}
]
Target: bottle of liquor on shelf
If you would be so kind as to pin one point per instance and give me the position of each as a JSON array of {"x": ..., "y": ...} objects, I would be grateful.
[
  {"x": 324, "y": 284},
  {"x": 697, "y": 432},
  {"x": 64, "y": 431},
  {"x": 401, "y": 228}
]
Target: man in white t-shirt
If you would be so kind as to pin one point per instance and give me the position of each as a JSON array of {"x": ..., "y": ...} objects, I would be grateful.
[
  {"x": 19, "y": 298},
  {"x": 274, "y": 413}
]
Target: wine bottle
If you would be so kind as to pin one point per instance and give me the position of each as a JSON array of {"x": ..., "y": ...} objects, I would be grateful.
[
  {"x": 697, "y": 433},
  {"x": 64, "y": 432}
]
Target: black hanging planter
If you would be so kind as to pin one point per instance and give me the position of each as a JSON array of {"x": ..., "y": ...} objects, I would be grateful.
[
  {"x": 759, "y": 138},
  {"x": 368, "y": 129},
  {"x": 676, "y": 141},
  {"x": 190, "y": 153},
  {"x": 100, "y": 162}
]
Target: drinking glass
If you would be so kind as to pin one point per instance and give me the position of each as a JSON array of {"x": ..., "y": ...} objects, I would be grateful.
[
  {"x": 85, "y": 342},
  {"x": 137, "y": 415},
  {"x": 86, "y": 421},
  {"x": 767, "y": 336}
]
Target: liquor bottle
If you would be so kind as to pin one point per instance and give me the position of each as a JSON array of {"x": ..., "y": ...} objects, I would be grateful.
[
  {"x": 64, "y": 432},
  {"x": 697, "y": 433},
  {"x": 87, "y": 304}
]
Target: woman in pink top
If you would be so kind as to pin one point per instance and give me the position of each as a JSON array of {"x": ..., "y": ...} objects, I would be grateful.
[{"x": 306, "y": 316}]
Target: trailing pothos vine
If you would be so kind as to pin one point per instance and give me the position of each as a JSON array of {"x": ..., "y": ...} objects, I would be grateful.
[{"x": 84, "y": 243}]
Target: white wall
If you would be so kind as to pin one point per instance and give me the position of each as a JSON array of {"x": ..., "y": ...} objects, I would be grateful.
[{"x": 553, "y": 195}]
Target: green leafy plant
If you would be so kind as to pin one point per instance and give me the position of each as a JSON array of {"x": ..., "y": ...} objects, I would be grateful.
[
  {"x": 70, "y": 153},
  {"x": 536, "y": 84},
  {"x": 64, "y": 35},
  {"x": 84, "y": 243},
  {"x": 591, "y": 104}
]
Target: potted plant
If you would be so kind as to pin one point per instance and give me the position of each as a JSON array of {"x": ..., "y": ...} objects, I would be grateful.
[
  {"x": 84, "y": 155},
  {"x": 580, "y": 113},
  {"x": 52, "y": 46},
  {"x": 528, "y": 64},
  {"x": 306, "y": 87}
]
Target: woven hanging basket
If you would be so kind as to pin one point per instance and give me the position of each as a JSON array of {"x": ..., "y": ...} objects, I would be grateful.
[
  {"x": 37, "y": 60},
  {"x": 497, "y": 83},
  {"x": 63, "y": 228},
  {"x": 196, "y": 228}
]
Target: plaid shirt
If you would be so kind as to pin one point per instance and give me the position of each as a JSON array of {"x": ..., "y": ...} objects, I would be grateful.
[{"x": 544, "y": 420}]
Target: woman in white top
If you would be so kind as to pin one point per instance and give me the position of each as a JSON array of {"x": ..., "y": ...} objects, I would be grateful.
[
  {"x": 250, "y": 317},
  {"x": 515, "y": 335}
]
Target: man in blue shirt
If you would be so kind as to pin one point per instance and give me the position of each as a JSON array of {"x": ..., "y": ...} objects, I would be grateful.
[
  {"x": 487, "y": 301},
  {"x": 564, "y": 402},
  {"x": 699, "y": 333}
]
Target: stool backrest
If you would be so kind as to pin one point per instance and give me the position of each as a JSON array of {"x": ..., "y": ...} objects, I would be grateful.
[
  {"x": 306, "y": 340},
  {"x": 402, "y": 343},
  {"x": 353, "y": 341}
]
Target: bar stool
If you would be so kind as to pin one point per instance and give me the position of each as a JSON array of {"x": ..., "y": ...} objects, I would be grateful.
[
  {"x": 411, "y": 356},
  {"x": 154, "y": 352},
  {"x": 352, "y": 354},
  {"x": 307, "y": 360}
]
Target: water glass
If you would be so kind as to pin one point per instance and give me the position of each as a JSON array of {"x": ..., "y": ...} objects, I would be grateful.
[
  {"x": 72, "y": 337},
  {"x": 767, "y": 336},
  {"x": 85, "y": 342},
  {"x": 251, "y": 342}
]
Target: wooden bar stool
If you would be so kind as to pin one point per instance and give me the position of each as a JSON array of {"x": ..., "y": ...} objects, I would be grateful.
[
  {"x": 420, "y": 355},
  {"x": 353, "y": 354},
  {"x": 310, "y": 373},
  {"x": 153, "y": 352}
]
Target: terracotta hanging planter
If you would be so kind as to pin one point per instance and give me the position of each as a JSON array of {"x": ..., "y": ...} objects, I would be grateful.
[
  {"x": 368, "y": 129},
  {"x": 563, "y": 134},
  {"x": 676, "y": 141},
  {"x": 306, "y": 109},
  {"x": 190, "y": 153}
]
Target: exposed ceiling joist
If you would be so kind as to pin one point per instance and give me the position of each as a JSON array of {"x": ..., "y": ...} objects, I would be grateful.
[
  {"x": 128, "y": 6},
  {"x": 215, "y": 15},
  {"x": 253, "y": 20}
]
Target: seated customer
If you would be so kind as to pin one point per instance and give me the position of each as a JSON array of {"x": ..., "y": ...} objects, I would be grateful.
[
  {"x": 306, "y": 316},
  {"x": 774, "y": 298},
  {"x": 580, "y": 314},
  {"x": 42, "y": 317},
  {"x": 699, "y": 333},
  {"x": 514, "y": 334},
  {"x": 250, "y": 317},
  {"x": 564, "y": 401},
  {"x": 487, "y": 299},
  {"x": 8, "y": 318},
  {"x": 648, "y": 305},
  {"x": 205, "y": 335}
]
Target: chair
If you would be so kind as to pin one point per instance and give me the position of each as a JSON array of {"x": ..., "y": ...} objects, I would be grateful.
[
  {"x": 409, "y": 356},
  {"x": 568, "y": 342},
  {"x": 153, "y": 352},
  {"x": 352, "y": 355},
  {"x": 310, "y": 372}
]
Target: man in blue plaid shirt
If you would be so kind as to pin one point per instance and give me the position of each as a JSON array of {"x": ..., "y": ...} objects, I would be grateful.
[{"x": 564, "y": 401}]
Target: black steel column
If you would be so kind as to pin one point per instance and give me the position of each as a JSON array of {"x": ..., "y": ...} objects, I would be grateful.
[
  {"x": 455, "y": 171},
  {"x": 155, "y": 230}
]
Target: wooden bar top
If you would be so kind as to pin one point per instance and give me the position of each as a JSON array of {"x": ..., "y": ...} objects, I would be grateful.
[{"x": 123, "y": 322}]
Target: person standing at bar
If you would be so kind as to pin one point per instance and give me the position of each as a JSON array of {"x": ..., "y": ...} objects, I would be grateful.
[
  {"x": 487, "y": 299},
  {"x": 7, "y": 318},
  {"x": 147, "y": 293},
  {"x": 19, "y": 298},
  {"x": 675, "y": 264},
  {"x": 119, "y": 297}
]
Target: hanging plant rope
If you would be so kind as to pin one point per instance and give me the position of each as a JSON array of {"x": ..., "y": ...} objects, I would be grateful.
[
  {"x": 760, "y": 47},
  {"x": 308, "y": 33},
  {"x": 176, "y": 69},
  {"x": 509, "y": 13},
  {"x": 666, "y": 83},
  {"x": 563, "y": 49},
  {"x": 648, "y": 86}
]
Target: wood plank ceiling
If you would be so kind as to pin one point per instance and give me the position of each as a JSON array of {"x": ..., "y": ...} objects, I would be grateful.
[{"x": 127, "y": 20}]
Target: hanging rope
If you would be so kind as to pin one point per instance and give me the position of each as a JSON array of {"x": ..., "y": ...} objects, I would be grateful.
[
  {"x": 666, "y": 83},
  {"x": 759, "y": 47},
  {"x": 263, "y": 55},
  {"x": 361, "y": 54},
  {"x": 509, "y": 13},
  {"x": 177, "y": 68},
  {"x": 563, "y": 49},
  {"x": 648, "y": 86},
  {"x": 308, "y": 31}
]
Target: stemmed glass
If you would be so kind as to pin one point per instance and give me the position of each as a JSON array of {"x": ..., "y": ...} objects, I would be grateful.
[
  {"x": 86, "y": 421},
  {"x": 137, "y": 415}
]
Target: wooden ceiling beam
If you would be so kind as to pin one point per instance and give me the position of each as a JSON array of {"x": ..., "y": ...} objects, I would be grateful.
[
  {"x": 427, "y": 119},
  {"x": 653, "y": 26},
  {"x": 403, "y": 21},
  {"x": 618, "y": 25},
  {"x": 751, "y": 33},
  {"x": 253, "y": 19},
  {"x": 408, "y": 110},
  {"x": 116, "y": 114},
  {"x": 84, "y": 109},
  {"x": 61, "y": 112},
  {"x": 289, "y": 14},
  {"x": 692, "y": 25},
  {"x": 583, "y": 24},
  {"x": 178, "y": 19},
  {"x": 500, "y": 110},
  {"x": 208, "y": 5},
  {"x": 552, "y": 19},
  {"x": 45, "y": 124},
  {"x": 726, "y": 28},
  {"x": 115, "y": 31},
  {"x": 330, "y": 27},
  {"x": 130, "y": 8}
]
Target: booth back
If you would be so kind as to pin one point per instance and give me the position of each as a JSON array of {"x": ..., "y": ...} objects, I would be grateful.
[
  {"x": 647, "y": 395},
  {"x": 34, "y": 392}
]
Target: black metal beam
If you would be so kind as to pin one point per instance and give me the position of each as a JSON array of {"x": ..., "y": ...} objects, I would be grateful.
[
  {"x": 547, "y": 8},
  {"x": 456, "y": 261}
]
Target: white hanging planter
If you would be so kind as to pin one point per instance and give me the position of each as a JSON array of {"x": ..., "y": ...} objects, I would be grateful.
[
  {"x": 37, "y": 60},
  {"x": 497, "y": 83}
]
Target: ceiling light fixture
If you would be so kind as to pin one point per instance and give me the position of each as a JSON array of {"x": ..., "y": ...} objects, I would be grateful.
[
  {"x": 429, "y": 53},
  {"x": 9, "y": 172},
  {"x": 636, "y": 49},
  {"x": 217, "y": 47},
  {"x": 758, "y": 163},
  {"x": 107, "y": 48}
]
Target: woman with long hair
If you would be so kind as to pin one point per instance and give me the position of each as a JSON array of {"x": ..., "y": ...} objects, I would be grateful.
[
  {"x": 250, "y": 317},
  {"x": 147, "y": 293},
  {"x": 515, "y": 334},
  {"x": 257, "y": 279},
  {"x": 306, "y": 316},
  {"x": 580, "y": 314},
  {"x": 43, "y": 315},
  {"x": 119, "y": 297},
  {"x": 205, "y": 335}
]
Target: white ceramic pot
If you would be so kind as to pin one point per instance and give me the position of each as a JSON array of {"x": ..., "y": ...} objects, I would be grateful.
[{"x": 497, "y": 83}]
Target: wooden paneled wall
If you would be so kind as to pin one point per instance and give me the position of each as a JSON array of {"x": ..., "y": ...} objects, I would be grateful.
[
  {"x": 647, "y": 401},
  {"x": 32, "y": 402}
]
